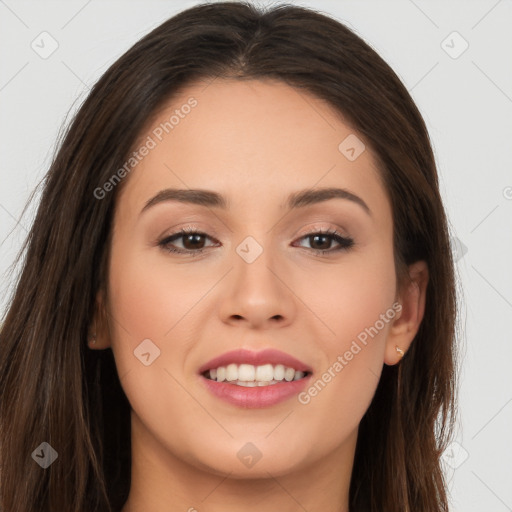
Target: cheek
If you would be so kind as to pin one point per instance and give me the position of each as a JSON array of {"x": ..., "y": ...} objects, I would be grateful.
[
  {"x": 351, "y": 296},
  {"x": 147, "y": 300},
  {"x": 357, "y": 309},
  {"x": 148, "y": 303}
]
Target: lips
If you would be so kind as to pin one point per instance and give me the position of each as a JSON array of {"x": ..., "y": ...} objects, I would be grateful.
[
  {"x": 267, "y": 356},
  {"x": 255, "y": 379}
]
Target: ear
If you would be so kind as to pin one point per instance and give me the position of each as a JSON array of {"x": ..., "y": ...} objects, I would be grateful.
[
  {"x": 99, "y": 328},
  {"x": 412, "y": 297}
]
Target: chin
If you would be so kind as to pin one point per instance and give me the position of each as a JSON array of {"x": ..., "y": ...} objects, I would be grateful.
[{"x": 247, "y": 461}]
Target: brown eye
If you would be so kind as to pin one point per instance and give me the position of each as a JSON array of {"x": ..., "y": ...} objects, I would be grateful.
[
  {"x": 321, "y": 241},
  {"x": 193, "y": 242}
]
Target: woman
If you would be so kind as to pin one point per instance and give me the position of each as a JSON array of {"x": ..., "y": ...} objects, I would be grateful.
[{"x": 238, "y": 290}]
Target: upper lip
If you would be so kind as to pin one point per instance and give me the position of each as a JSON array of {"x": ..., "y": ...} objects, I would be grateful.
[{"x": 267, "y": 356}]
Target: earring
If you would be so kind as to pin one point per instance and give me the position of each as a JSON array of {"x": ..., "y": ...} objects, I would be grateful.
[
  {"x": 93, "y": 338},
  {"x": 400, "y": 351}
]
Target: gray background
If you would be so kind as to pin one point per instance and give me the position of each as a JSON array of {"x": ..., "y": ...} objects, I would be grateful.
[{"x": 466, "y": 100}]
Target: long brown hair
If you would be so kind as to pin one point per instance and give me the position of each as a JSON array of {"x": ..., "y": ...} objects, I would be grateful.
[{"x": 55, "y": 390}]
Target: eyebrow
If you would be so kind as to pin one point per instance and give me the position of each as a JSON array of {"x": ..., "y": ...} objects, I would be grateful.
[{"x": 213, "y": 199}]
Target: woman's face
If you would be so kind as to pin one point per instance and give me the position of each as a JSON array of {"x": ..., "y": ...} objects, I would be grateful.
[{"x": 260, "y": 281}]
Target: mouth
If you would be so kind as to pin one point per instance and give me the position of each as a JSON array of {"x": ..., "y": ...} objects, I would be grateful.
[
  {"x": 248, "y": 375},
  {"x": 249, "y": 379}
]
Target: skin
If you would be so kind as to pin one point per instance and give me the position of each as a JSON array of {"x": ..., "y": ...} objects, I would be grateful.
[{"x": 255, "y": 142}]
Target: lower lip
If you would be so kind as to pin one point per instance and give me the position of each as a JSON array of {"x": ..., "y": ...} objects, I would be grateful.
[{"x": 256, "y": 397}]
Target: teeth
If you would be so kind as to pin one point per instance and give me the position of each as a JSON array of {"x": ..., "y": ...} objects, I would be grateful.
[
  {"x": 246, "y": 372},
  {"x": 231, "y": 372},
  {"x": 265, "y": 373},
  {"x": 289, "y": 374},
  {"x": 253, "y": 384},
  {"x": 279, "y": 372},
  {"x": 221, "y": 374},
  {"x": 248, "y": 375}
]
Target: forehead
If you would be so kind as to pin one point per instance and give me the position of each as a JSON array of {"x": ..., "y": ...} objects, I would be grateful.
[{"x": 253, "y": 141}]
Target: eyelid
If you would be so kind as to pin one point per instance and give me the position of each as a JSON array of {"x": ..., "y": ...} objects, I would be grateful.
[
  {"x": 210, "y": 233},
  {"x": 322, "y": 227},
  {"x": 186, "y": 228}
]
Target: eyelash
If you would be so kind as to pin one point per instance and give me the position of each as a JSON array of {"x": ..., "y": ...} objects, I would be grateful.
[{"x": 344, "y": 242}]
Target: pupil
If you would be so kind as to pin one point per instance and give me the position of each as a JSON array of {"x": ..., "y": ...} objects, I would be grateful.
[
  {"x": 194, "y": 238},
  {"x": 325, "y": 245}
]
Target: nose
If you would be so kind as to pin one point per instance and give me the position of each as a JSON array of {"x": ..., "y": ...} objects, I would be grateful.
[{"x": 257, "y": 294}]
